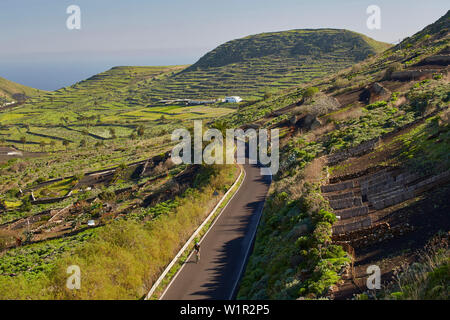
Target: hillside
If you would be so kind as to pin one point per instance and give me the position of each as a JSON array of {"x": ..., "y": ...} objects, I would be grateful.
[
  {"x": 98, "y": 123},
  {"x": 363, "y": 180},
  {"x": 363, "y": 173},
  {"x": 11, "y": 91},
  {"x": 124, "y": 98},
  {"x": 264, "y": 63},
  {"x": 104, "y": 107},
  {"x": 103, "y": 156}
]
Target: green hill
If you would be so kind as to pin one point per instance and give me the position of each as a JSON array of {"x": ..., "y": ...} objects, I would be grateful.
[
  {"x": 352, "y": 137},
  {"x": 107, "y": 106},
  {"x": 119, "y": 98},
  {"x": 437, "y": 30},
  {"x": 266, "y": 62},
  {"x": 289, "y": 44},
  {"x": 11, "y": 91},
  {"x": 362, "y": 122}
]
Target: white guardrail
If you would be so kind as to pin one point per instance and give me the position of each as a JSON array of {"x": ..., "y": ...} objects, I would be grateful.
[{"x": 183, "y": 249}]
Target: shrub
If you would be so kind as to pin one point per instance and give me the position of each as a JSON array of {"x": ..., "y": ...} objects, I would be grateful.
[
  {"x": 310, "y": 92},
  {"x": 341, "y": 83},
  {"x": 26, "y": 204},
  {"x": 396, "y": 66},
  {"x": 375, "y": 105},
  {"x": 420, "y": 100}
]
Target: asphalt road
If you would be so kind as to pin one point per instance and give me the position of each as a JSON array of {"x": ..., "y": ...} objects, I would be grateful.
[{"x": 225, "y": 247}]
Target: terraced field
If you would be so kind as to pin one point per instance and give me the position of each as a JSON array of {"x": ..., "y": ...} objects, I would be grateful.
[
  {"x": 363, "y": 167},
  {"x": 104, "y": 107},
  {"x": 115, "y": 103},
  {"x": 363, "y": 180},
  {"x": 257, "y": 65}
]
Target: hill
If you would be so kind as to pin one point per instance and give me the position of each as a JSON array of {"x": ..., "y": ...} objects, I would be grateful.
[
  {"x": 362, "y": 155},
  {"x": 363, "y": 180},
  {"x": 119, "y": 99},
  {"x": 11, "y": 91},
  {"x": 438, "y": 29},
  {"x": 263, "y": 63},
  {"x": 104, "y": 107}
]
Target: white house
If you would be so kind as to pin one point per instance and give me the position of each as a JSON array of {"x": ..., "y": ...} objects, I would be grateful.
[{"x": 233, "y": 99}]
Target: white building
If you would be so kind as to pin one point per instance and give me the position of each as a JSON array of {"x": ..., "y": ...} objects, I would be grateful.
[{"x": 234, "y": 99}]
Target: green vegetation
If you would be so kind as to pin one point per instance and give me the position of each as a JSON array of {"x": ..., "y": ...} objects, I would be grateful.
[
  {"x": 425, "y": 148},
  {"x": 11, "y": 91},
  {"x": 293, "y": 255},
  {"x": 58, "y": 189},
  {"x": 120, "y": 260},
  {"x": 103, "y": 108},
  {"x": 253, "y": 66},
  {"x": 98, "y": 123}
]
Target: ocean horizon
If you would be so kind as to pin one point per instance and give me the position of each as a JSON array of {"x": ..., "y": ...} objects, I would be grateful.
[{"x": 52, "y": 71}]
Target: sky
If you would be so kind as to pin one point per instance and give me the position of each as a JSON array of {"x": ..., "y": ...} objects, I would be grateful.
[{"x": 37, "y": 49}]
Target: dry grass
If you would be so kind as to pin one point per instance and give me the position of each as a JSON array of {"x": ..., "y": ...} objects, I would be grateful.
[
  {"x": 314, "y": 170},
  {"x": 401, "y": 101},
  {"x": 427, "y": 279},
  {"x": 351, "y": 113},
  {"x": 318, "y": 132},
  {"x": 7, "y": 238}
]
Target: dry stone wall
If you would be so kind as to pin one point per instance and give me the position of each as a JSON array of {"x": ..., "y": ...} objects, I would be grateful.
[
  {"x": 357, "y": 151},
  {"x": 353, "y": 201}
]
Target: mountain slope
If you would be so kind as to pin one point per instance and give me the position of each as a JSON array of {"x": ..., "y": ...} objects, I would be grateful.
[
  {"x": 256, "y": 64},
  {"x": 290, "y": 44},
  {"x": 106, "y": 106},
  {"x": 364, "y": 178},
  {"x": 11, "y": 91},
  {"x": 437, "y": 29}
]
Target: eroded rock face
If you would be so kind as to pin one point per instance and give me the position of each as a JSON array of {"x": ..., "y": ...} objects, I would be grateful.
[
  {"x": 412, "y": 75},
  {"x": 379, "y": 89},
  {"x": 294, "y": 119},
  {"x": 441, "y": 60},
  {"x": 316, "y": 124},
  {"x": 308, "y": 118},
  {"x": 374, "y": 92}
]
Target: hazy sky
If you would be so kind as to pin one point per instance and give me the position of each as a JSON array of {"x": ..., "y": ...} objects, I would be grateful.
[{"x": 37, "y": 49}]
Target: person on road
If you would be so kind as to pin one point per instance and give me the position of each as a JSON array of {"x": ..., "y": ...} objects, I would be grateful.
[{"x": 197, "y": 251}]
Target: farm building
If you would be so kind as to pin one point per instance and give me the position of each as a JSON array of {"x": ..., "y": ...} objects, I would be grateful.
[{"x": 233, "y": 99}]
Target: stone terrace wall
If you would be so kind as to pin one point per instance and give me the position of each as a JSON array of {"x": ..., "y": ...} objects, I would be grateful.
[
  {"x": 372, "y": 235},
  {"x": 352, "y": 226},
  {"x": 356, "y": 151},
  {"x": 370, "y": 145}
]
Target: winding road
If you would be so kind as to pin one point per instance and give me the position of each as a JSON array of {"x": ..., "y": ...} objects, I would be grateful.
[{"x": 225, "y": 247}]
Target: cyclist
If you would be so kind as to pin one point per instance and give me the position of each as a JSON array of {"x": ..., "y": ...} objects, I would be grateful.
[{"x": 197, "y": 251}]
